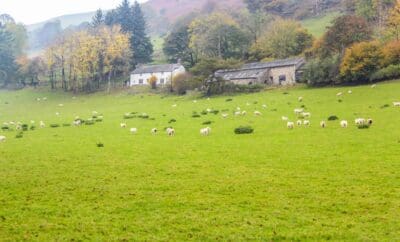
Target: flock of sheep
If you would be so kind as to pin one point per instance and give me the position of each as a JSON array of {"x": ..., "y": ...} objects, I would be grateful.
[{"x": 303, "y": 119}]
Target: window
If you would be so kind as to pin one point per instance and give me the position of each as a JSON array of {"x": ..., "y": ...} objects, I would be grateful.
[
  {"x": 282, "y": 78},
  {"x": 162, "y": 81},
  {"x": 140, "y": 81}
]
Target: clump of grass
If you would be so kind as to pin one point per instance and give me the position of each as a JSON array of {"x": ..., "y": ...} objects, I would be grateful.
[
  {"x": 204, "y": 112},
  {"x": 274, "y": 110},
  {"x": 20, "y": 135},
  {"x": 66, "y": 125},
  {"x": 129, "y": 116},
  {"x": 385, "y": 106},
  {"x": 195, "y": 115},
  {"x": 33, "y": 127},
  {"x": 333, "y": 118},
  {"x": 215, "y": 112},
  {"x": 255, "y": 102},
  {"x": 207, "y": 122},
  {"x": 98, "y": 120},
  {"x": 363, "y": 126},
  {"x": 229, "y": 100},
  {"x": 340, "y": 100},
  {"x": 89, "y": 122},
  {"x": 143, "y": 116},
  {"x": 100, "y": 145},
  {"x": 5, "y": 128},
  {"x": 172, "y": 121},
  {"x": 25, "y": 127},
  {"x": 244, "y": 130},
  {"x": 285, "y": 93},
  {"x": 303, "y": 106},
  {"x": 54, "y": 125}
]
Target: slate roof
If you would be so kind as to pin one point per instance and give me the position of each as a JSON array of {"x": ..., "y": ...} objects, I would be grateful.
[
  {"x": 257, "y": 69},
  {"x": 142, "y": 69}
]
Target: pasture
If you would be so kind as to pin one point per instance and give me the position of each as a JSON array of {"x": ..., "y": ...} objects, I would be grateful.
[{"x": 275, "y": 184}]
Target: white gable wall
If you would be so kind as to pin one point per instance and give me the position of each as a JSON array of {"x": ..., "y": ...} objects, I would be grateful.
[{"x": 162, "y": 77}]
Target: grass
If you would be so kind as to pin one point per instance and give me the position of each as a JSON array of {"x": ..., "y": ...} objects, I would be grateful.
[
  {"x": 102, "y": 183},
  {"x": 317, "y": 26}
]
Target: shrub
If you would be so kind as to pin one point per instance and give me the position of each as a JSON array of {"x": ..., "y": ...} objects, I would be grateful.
[
  {"x": 153, "y": 82},
  {"x": 244, "y": 130},
  {"x": 4, "y": 128},
  {"x": 196, "y": 115},
  {"x": 387, "y": 73},
  {"x": 100, "y": 145},
  {"x": 321, "y": 71},
  {"x": 172, "y": 121},
  {"x": 181, "y": 83},
  {"x": 54, "y": 125},
  {"x": 385, "y": 106},
  {"x": 24, "y": 127},
  {"x": 229, "y": 100},
  {"x": 207, "y": 122},
  {"x": 333, "y": 118}
]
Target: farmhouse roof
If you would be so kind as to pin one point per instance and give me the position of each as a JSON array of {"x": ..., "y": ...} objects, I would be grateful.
[
  {"x": 257, "y": 69},
  {"x": 142, "y": 69}
]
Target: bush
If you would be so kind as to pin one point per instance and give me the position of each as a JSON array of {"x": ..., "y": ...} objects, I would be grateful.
[
  {"x": 4, "y": 128},
  {"x": 244, "y": 130},
  {"x": 54, "y": 125},
  {"x": 196, "y": 115},
  {"x": 24, "y": 127},
  {"x": 181, "y": 83},
  {"x": 333, "y": 118},
  {"x": 207, "y": 122},
  {"x": 321, "y": 71},
  {"x": 100, "y": 145},
  {"x": 387, "y": 73}
]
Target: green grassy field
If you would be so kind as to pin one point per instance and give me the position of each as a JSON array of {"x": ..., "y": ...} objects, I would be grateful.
[
  {"x": 317, "y": 26},
  {"x": 275, "y": 184}
]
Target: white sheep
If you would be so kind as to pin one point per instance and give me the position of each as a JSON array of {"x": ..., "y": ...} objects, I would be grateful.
[
  {"x": 225, "y": 115},
  {"x": 123, "y": 125},
  {"x": 360, "y": 121},
  {"x": 133, "y": 130},
  {"x": 238, "y": 108},
  {"x": 209, "y": 110},
  {"x": 299, "y": 122},
  {"x": 290, "y": 125},
  {"x": 194, "y": 101},
  {"x": 344, "y": 123},
  {"x": 77, "y": 122},
  {"x": 322, "y": 124},
  {"x": 257, "y": 113},
  {"x": 154, "y": 130},
  {"x": 349, "y": 91},
  {"x": 2, "y": 138},
  {"x": 305, "y": 115},
  {"x": 174, "y": 105},
  {"x": 170, "y": 131},
  {"x": 264, "y": 106},
  {"x": 32, "y": 121},
  {"x": 298, "y": 111},
  {"x": 205, "y": 131},
  {"x": 57, "y": 114},
  {"x": 38, "y": 99},
  {"x": 61, "y": 105},
  {"x": 238, "y": 113},
  {"x": 244, "y": 113},
  {"x": 42, "y": 124},
  {"x": 95, "y": 112},
  {"x": 396, "y": 104},
  {"x": 300, "y": 99},
  {"x": 284, "y": 118},
  {"x": 373, "y": 86},
  {"x": 306, "y": 122},
  {"x": 339, "y": 94},
  {"x": 45, "y": 99}
]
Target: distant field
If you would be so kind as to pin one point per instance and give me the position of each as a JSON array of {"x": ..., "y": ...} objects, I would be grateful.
[
  {"x": 306, "y": 184},
  {"x": 317, "y": 26}
]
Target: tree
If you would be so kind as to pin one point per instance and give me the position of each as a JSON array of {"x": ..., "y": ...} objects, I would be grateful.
[
  {"x": 361, "y": 61},
  {"x": 98, "y": 19},
  {"x": 140, "y": 43},
  {"x": 321, "y": 71},
  {"x": 391, "y": 53},
  {"x": 217, "y": 35},
  {"x": 8, "y": 67},
  {"x": 153, "y": 81},
  {"x": 177, "y": 47},
  {"x": 393, "y": 22},
  {"x": 283, "y": 39}
]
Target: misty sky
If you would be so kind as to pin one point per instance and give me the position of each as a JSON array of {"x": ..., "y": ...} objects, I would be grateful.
[{"x": 34, "y": 11}]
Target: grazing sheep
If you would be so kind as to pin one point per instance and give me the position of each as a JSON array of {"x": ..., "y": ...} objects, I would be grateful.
[
  {"x": 2, "y": 138},
  {"x": 38, "y": 99},
  {"x": 174, "y": 105},
  {"x": 208, "y": 110},
  {"x": 257, "y": 113},
  {"x": 396, "y": 104},
  {"x": 244, "y": 113},
  {"x": 360, "y": 121},
  {"x": 344, "y": 123},
  {"x": 238, "y": 108},
  {"x": 298, "y": 111},
  {"x": 299, "y": 122},
  {"x": 12, "y": 123},
  {"x": 74, "y": 98},
  {"x": 285, "y": 118},
  {"x": 339, "y": 94},
  {"x": 42, "y": 124},
  {"x": 300, "y": 99},
  {"x": 154, "y": 130},
  {"x": 57, "y": 113},
  {"x": 264, "y": 106},
  {"x": 32, "y": 121},
  {"x": 306, "y": 122},
  {"x": 350, "y": 92},
  {"x": 194, "y": 101},
  {"x": 123, "y": 125},
  {"x": 290, "y": 125},
  {"x": 369, "y": 121},
  {"x": 225, "y": 115},
  {"x": 45, "y": 99},
  {"x": 170, "y": 131},
  {"x": 61, "y": 105},
  {"x": 373, "y": 86},
  {"x": 322, "y": 124},
  {"x": 77, "y": 122},
  {"x": 238, "y": 113},
  {"x": 305, "y": 115},
  {"x": 205, "y": 131},
  {"x": 95, "y": 112},
  {"x": 133, "y": 130}
]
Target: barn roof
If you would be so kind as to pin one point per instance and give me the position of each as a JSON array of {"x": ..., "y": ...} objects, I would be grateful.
[
  {"x": 257, "y": 69},
  {"x": 142, "y": 69}
]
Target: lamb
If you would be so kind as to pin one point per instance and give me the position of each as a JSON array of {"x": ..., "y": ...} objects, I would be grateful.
[
  {"x": 95, "y": 112},
  {"x": 42, "y": 124},
  {"x": 396, "y": 104},
  {"x": 57, "y": 113},
  {"x": 285, "y": 118},
  {"x": 154, "y": 131},
  {"x": 257, "y": 113},
  {"x": 45, "y": 99},
  {"x": 170, "y": 131},
  {"x": 299, "y": 122},
  {"x": 194, "y": 101},
  {"x": 134, "y": 130},
  {"x": 205, "y": 131},
  {"x": 238, "y": 108},
  {"x": 32, "y": 121},
  {"x": 344, "y": 123},
  {"x": 2, "y": 138},
  {"x": 322, "y": 124},
  {"x": 208, "y": 110},
  {"x": 306, "y": 122},
  {"x": 290, "y": 125},
  {"x": 61, "y": 105},
  {"x": 123, "y": 125}
]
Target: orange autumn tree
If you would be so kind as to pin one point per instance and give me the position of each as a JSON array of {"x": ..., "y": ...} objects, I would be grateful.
[{"x": 153, "y": 81}]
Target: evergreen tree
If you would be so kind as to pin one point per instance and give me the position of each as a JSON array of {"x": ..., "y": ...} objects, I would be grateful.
[
  {"x": 124, "y": 16},
  {"x": 111, "y": 18},
  {"x": 98, "y": 19},
  {"x": 140, "y": 42},
  {"x": 8, "y": 66}
]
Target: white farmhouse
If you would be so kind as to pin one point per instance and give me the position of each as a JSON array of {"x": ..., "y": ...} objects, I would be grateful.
[{"x": 164, "y": 73}]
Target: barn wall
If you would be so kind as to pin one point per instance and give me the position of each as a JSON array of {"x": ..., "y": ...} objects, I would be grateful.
[{"x": 289, "y": 72}]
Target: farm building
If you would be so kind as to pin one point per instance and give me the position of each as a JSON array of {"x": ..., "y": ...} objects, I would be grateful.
[
  {"x": 164, "y": 73},
  {"x": 279, "y": 72}
]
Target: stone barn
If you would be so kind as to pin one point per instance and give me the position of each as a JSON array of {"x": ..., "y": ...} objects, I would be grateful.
[{"x": 278, "y": 72}]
